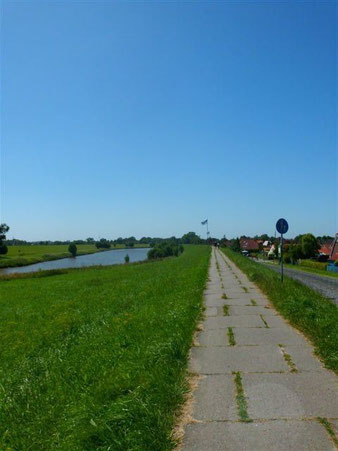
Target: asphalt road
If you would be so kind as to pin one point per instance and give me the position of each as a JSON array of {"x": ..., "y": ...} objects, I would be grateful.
[{"x": 327, "y": 286}]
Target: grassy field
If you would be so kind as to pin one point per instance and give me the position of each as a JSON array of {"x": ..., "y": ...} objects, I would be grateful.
[
  {"x": 301, "y": 267},
  {"x": 28, "y": 254},
  {"x": 95, "y": 359},
  {"x": 306, "y": 309}
]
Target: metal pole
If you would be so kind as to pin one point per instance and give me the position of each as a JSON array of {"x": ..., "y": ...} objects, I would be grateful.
[
  {"x": 281, "y": 254},
  {"x": 207, "y": 230}
]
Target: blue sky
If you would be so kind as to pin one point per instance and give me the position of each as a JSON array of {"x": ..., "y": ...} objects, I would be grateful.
[{"x": 144, "y": 118}]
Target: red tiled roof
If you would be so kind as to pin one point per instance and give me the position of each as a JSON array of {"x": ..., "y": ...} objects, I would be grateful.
[
  {"x": 249, "y": 245},
  {"x": 325, "y": 249}
]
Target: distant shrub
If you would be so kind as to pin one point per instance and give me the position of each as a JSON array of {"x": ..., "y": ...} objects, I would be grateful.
[
  {"x": 126, "y": 258},
  {"x": 323, "y": 258},
  {"x": 3, "y": 249},
  {"x": 102, "y": 244},
  {"x": 336, "y": 263},
  {"x": 287, "y": 258},
  {"x": 165, "y": 249},
  {"x": 72, "y": 249},
  {"x": 313, "y": 264},
  {"x": 130, "y": 244}
]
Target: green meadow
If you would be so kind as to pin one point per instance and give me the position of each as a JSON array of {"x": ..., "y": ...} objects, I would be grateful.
[
  {"x": 29, "y": 254},
  {"x": 304, "y": 308},
  {"x": 96, "y": 358}
]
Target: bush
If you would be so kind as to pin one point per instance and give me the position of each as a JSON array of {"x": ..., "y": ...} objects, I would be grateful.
[
  {"x": 336, "y": 263},
  {"x": 313, "y": 264},
  {"x": 165, "y": 249},
  {"x": 72, "y": 249},
  {"x": 126, "y": 258},
  {"x": 3, "y": 249},
  {"x": 287, "y": 258},
  {"x": 102, "y": 244}
]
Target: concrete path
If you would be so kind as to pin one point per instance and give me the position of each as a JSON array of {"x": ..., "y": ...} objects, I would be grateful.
[{"x": 259, "y": 386}]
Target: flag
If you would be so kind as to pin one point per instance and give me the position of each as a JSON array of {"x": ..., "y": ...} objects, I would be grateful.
[{"x": 204, "y": 222}]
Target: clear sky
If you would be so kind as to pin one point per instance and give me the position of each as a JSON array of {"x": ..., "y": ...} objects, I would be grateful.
[{"x": 145, "y": 118}]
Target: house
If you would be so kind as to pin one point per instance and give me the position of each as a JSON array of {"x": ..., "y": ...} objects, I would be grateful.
[
  {"x": 248, "y": 244},
  {"x": 334, "y": 249},
  {"x": 325, "y": 249}
]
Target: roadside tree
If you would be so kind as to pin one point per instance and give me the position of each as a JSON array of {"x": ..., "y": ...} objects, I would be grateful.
[{"x": 309, "y": 245}]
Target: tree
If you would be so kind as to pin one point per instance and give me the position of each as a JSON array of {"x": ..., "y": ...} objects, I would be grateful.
[
  {"x": 235, "y": 245},
  {"x": 72, "y": 249},
  {"x": 295, "y": 252},
  {"x": 90, "y": 240},
  {"x": 3, "y": 230},
  {"x": 309, "y": 245},
  {"x": 102, "y": 244},
  {"x": 191, "y": 238}
]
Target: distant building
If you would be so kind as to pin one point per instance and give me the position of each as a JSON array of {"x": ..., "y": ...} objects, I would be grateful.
[
  {"x": 248, "y": 244},
  {"x": 334, "y": 249}
]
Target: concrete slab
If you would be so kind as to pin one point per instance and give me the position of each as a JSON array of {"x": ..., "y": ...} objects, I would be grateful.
[
  {"x": 279, "y": 322},
  {"x": 215, "y": 301},
  {"x": 211, "y": 311},
  {"x": 243, "y": 301},
  {"x": 251, "y": 336},
  {"x": 215, "y": 399},
  {"x": 269, "y": 436},
  {"x": 214, "y": 337},
  {"x": 224, "y": 322},
  {"x": 296, "y": 395},
  {"x": 303, "y": 357},
  {"x": 252, "y": 310},
  {"x": 225, "y": 360}
]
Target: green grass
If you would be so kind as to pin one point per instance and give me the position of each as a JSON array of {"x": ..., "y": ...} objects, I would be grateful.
[
  {"x": 241, "y": 399},
  {"x": 328, "y": 426},
  {"x": 29, "y": 254},
  {"x": 310, "y": 269},
  {"x": 306, "y": 309},
  {"x": 95, "y": 359},
  {"x": 231, "y": 336},
  {"x": 225, "y": 310},
  {"x": 320, "y": 272}
]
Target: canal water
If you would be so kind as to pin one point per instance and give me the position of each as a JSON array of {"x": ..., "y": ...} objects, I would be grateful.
[{"x": 113, "y": 257}]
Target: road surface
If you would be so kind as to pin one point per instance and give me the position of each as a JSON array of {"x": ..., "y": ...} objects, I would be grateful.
[{"x": 327, "y": 286}]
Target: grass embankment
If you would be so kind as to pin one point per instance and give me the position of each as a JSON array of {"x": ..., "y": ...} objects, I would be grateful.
[
  {"x": 29, "y": 254},
  {"x": 306, "y": 309},
  {"x": 96, "y": 358}
]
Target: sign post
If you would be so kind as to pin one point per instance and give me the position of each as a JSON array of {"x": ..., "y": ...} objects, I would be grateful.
[{"x": 282, "y": 227}]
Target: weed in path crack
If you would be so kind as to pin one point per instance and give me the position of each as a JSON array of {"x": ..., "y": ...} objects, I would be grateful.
[
  {"x": 226, "y": 310},
  {"x": 224, "y": 296},
  {"x": 264, "y": 321},
  {"x": 329, "y": 428},
  {"x": 231, "y": 336},
  {"x": 288, "y": 359},
  {"x": 241, "y": 399},
  {"x": 253, "y": 302},
  {"x": 245, "y": 289}
]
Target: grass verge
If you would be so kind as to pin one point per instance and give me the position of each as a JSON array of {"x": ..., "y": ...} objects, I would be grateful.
[
  {"x": 328, "y": 426},
  {"x": 96, "y": 358},
  {"x": 306, "y": 309}
]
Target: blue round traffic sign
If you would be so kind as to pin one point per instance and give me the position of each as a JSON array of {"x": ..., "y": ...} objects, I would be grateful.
[{"x": 282, "y": 226}]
